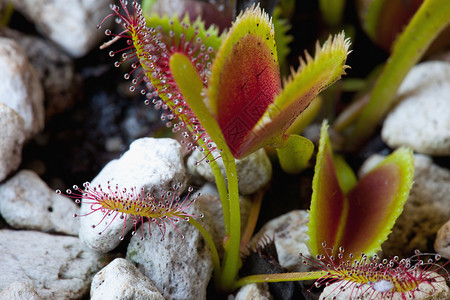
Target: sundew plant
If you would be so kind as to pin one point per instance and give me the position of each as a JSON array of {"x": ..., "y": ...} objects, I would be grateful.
[{"x": 226, "y": 96}]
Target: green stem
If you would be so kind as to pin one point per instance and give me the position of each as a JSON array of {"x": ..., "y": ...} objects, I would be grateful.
[
  {"x": 223, "y": 194},
  {"x": 431, "y": 18},
  {"x": 212, "y": 246},
  {"x": 295, "y": 276},
  {"x": 231, "y": 259},
  {"x": 191, "y": 87}
]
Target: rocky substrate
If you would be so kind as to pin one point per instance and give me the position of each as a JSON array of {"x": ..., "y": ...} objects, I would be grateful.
[{"x": 66, "y": 117}]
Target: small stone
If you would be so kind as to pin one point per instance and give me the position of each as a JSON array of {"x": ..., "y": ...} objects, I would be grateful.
[
  {"x": 254, "y": 291},
  {"x": 254, "y": 171},
  {"x": 72, "y": 26},
  {"x": 442, "y": 243},
  {"x": 120, "y": 279},
  {"x": 180, "y": 268},
  {"x": 26, "y": 202},
  {"x": 59, "y": 267},
  {"x": 436, "y": 290},
  {"x": 55, "y": 69},
  {"x": 113, "y": 144},
  {"x": 19, "y": 291},
  {"x": 12, "y": 137},
  {"x": 20, "y": 87},
  {"x": 153, "y": 164},
  {"x": 425, "y": 211},
  {"x": 290, "y": 233},
  {"x": 421, "y": 119}
]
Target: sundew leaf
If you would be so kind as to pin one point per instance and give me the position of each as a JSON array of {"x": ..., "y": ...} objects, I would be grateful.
[
  {"x": 357, "y": 216},
  {"x": 191, "y": 86}
]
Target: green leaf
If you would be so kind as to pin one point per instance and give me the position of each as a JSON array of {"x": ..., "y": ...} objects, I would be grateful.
[
  {"x": 431, "y": 18},
  {"x": 282, "y": 39},
  {"x": 332, "y": 11},
  {"x": 346, "y": 177},
  {"x": 294, "y": 157}
]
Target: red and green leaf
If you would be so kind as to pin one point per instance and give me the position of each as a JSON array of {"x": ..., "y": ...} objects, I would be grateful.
[
  {"x": 357, "y": 216},
  {"x": 380, "y": 195},
  {"x": 244, "y": 77}
]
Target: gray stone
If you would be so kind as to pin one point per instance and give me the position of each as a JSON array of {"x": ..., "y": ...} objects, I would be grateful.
[
  {"x": 120, "y": 279},
  {"x": 442, "y": 243},
  {"x": 290, "y": 232},
  {"x": 71, "y": 24},
  {"x": 421, "y": 119},
  {"x": 153, "y": 164},
  {"x": 254, "y": 291},
  {"x": 26, "y": 202},
  {"x": 19, "y": 291},
  {"x": 59, "y": 267},
  {"x": 210, "y": 206},
  {"x": 12, "y": 137},
  {"x": 437, "y": 290},
  {"x": 55, "y": 69},
  {"x": 254, "y": 171},
  {"x": 180, "y": 268},
  {"x": 20, "y": 87},
  {"x": 425, "y": 211}
]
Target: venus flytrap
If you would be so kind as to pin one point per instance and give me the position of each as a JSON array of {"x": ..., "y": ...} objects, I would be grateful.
[{"x": 358, "y": 216}]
